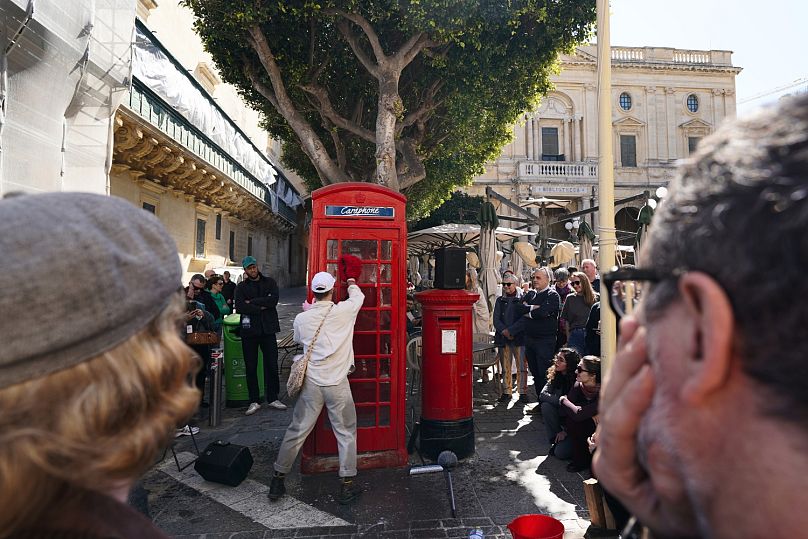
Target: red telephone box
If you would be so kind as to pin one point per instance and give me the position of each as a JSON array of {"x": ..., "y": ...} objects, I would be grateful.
[{"x": 368, "y": 221}]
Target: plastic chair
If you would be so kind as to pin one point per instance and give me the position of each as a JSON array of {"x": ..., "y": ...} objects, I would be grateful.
[{"x": 414, "y": 347}]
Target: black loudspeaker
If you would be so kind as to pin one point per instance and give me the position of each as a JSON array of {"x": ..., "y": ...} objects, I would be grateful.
[
  {"x": 450, "y": 268},
  {"x": 223, "y": 462}
]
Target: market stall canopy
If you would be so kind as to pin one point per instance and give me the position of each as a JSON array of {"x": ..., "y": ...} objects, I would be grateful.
[{"x": 462, "y": 235}]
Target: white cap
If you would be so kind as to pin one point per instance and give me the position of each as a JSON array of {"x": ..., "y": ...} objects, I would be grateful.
[{"x": 322, "y": 282}]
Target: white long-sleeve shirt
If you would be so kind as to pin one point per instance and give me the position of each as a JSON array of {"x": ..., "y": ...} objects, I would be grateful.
[{"x": 332, "y": 355}]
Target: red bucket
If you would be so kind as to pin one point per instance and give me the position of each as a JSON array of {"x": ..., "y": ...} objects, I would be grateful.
[{"x": 536, "y": 527}]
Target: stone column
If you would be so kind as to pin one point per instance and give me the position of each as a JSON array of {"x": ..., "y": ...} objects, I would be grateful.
[
  {"x": 670, "y": 94},
  {"x": 568, "y": 140},
  {"x": 591, "y": 99},
  {"x": 537, "y": 139},
  {"x": 576, "y": 143},
  {"x": 651, "y": 129},
  {"x": 529, "y": 130}
]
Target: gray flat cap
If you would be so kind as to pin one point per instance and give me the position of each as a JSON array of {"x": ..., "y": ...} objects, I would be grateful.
[{"x": 79, "y": 274}]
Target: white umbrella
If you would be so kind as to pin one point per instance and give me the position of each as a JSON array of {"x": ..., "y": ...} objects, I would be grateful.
[{"x": 644, "y": 220}]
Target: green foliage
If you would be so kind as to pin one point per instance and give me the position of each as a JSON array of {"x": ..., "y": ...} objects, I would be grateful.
[
  {"x": 491, "y": 59},
  {"x": 458, "y": 208}
]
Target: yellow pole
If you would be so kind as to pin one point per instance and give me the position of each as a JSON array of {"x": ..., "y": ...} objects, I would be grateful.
[{"x": 608, "y": 329}]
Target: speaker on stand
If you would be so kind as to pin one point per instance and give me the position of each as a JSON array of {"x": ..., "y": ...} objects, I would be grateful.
[{"x": 450, "y": 268}]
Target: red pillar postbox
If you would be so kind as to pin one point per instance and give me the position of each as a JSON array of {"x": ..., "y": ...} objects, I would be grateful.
[
  {"x": 367, "y": 221},
  {"x": 447, "y": 421}
]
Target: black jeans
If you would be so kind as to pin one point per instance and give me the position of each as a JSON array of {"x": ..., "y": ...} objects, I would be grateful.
[
  {"x": 539, "y": 352},
  {"x": 269, "y": 346}
]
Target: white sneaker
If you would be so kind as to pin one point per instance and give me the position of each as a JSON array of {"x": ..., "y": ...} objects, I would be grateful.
[
  {"x": 278, "y": 405},
  {"x": 186, "y": 431},
  {"x": 254, "y": 407}
]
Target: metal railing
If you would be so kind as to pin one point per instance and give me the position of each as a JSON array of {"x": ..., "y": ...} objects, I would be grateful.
[
  {"x": 555, "y": 169},
  {"x": 149, "y": 106}
]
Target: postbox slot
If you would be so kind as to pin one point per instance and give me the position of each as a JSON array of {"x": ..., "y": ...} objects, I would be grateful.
[{"x": 449, "y": 319}]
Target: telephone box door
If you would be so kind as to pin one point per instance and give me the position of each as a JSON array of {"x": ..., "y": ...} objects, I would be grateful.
[{"x": 375, "y": 335}]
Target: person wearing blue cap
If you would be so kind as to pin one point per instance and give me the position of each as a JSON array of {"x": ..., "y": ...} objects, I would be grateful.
[{"x": 256, "y": 301}]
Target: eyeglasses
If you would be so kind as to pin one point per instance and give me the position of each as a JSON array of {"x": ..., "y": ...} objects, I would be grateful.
[
  {"x": 625, "y": 286},
  {"x": 575, "y": 283},
  {"x": 197, "y": 287},
  {"x": 580, "y": 369},
  {"x": 507, "y": 284}
]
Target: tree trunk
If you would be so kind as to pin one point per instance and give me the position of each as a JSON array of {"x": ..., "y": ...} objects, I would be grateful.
[{"x": 390, "y": 108}]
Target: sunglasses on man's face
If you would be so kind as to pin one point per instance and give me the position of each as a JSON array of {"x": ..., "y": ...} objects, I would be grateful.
[{"x": 507, "y": 284}]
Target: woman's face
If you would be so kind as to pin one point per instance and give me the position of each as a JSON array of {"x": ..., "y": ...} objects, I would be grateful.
[
  {"x": 584, "y": 376},
  {"x": 560, "y": 363}
]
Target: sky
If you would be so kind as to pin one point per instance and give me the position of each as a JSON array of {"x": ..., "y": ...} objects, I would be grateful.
[{"x": 768, "y": 39}]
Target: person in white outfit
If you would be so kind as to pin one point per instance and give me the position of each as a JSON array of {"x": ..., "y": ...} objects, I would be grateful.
[{"x": 326, "y": 382}]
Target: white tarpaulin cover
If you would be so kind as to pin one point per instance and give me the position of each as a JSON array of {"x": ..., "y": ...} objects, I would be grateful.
[
  {"x": 65, "y": 69},
  {"x": 155, "y": 69}
]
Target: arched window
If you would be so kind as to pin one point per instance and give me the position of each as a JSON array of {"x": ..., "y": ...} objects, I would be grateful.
[
  {"x": 625, "y": 101},
  {"x": 692, "y": 103}
]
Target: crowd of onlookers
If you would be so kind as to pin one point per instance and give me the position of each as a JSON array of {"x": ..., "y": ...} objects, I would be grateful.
[{"x": 546, "y": 326}]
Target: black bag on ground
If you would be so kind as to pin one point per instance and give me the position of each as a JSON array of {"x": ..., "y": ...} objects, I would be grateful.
[{"x": 223, "y": 462}]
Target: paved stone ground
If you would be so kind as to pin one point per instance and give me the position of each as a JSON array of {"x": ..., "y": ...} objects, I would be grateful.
[{"x": 509, "y": 475}]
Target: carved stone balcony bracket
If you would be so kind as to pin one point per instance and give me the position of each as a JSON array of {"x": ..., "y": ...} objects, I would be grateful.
[{"x": 147, "y": 154}]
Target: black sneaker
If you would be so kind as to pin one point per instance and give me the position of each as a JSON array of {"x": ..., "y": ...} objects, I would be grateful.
[
  {"x": 348, "y": 492},
  {"x": 524, "y": 399},
  {"x": 504, "y": 398},
  {"x": 276, "y": 488}
]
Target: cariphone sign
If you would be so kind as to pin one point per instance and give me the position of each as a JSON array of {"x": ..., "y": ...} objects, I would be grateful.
[{"x": 373, "y": 212}]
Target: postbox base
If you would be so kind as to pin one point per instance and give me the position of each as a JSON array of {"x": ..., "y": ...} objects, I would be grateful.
[{"x": 456, "y": 436}]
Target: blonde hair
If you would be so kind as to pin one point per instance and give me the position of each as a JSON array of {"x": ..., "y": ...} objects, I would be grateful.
[
  {"x": 94, "y": 426},
  {"x": 587, "y": 292}
]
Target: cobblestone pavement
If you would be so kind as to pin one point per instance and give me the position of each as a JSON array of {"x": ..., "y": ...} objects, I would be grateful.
[{"x": 510, "y": 474}]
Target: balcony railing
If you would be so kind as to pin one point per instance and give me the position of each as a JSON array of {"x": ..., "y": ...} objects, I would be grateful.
[
  {"x": 155, "y": 111},
  {"x": 555, "y": 169},
  {"x": 670, "y": 55}
]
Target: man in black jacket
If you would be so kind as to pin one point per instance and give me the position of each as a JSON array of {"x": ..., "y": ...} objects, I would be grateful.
[
  {"x": 256, "y": 301},
  {"x": 540, "y": 325},
  {"x": 229, "y": 289}
]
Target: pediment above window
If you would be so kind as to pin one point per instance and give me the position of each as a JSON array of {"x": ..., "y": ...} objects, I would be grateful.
[{"x": 628, "y": 122}]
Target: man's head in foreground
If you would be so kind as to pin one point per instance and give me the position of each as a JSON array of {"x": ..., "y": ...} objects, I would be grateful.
[{"x": 710, "y": 383}]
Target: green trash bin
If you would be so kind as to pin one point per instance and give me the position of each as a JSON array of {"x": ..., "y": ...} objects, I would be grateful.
[{"x": 235, "y": 372}]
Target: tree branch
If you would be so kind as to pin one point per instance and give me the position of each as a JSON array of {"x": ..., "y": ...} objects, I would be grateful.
[
  {"x": 337, "y": 119},
  {"x": 367, "y": 29},
  {"x": 327, "y": 170},
  {"x": 353, "y": 42},
  {"x": 427, "y": 107},
  {"x": 413, "y": 48},
  {"x": 261, "y": 88},
  {"x": 411, "y": 168}
]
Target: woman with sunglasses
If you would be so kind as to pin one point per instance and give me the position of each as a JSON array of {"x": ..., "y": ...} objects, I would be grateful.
[
  {"x": 560, "y": 377},
  {"x": 579, "y": 408},
  {"x": 576, "y": 311}
]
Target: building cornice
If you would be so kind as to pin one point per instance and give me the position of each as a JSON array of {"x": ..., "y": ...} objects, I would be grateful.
[{"x": 149, "y": 156}]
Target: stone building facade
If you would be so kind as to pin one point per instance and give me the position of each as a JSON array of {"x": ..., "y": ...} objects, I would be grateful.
[
  {"x": 216, "y": 206},
  {"x": 664, "y": 101}
]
